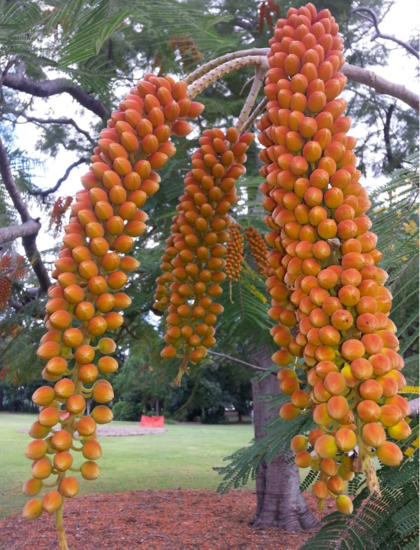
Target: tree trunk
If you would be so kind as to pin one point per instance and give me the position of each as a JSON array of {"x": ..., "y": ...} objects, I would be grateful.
[
  {"x": 279, "y": 500},
  {"x": 157, "y": 407}
]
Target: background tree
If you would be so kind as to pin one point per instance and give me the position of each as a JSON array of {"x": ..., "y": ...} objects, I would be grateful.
[{"x": 93, "y": 52}]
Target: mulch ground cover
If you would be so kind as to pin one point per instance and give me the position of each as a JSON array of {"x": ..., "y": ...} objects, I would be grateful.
[{"x": 156, "y": 520}]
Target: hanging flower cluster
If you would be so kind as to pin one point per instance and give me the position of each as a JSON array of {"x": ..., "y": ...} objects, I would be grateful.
[
  {"x": 11, "y": 269},
  {"x": 235, "y": 253},
  {"x": 328, "y": 295},
  {"x": 57, "y": 215},
  {"x": 258, "y": 249},
  {"x": 194, "y": 260},
  {"x": 91, "y": 272}
]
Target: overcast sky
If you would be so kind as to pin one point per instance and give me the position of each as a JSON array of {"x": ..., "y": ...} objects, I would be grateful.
[{"x": 401, "y": 21}]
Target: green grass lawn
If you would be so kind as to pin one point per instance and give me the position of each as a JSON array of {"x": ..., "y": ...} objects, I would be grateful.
[{"x": 182, "y": 457}]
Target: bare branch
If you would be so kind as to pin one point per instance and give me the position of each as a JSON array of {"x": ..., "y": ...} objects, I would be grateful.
[
  {"x": 10, "y": 185},
  {"x": 28, "y": 241},
  {"x": 260, "y": 72},
  {"x": 387, "y": 129},
  {"x": 235, "y": 360},
  {"x": 48, "y": 88},
  {"x": 219, "y": 72},
  {"x": 13, "y": 232},
  {"x": 41, "y": 193},
  {"x": 257, "y": 111},
  {"x": 356, "y": 74},
  {"x": 3, "y": 74},
  {"x": 381, "y": 85},
  {"x": 69, "y": 121},
  {"x": 204, "y": 69},
  {"x": 414, "y": 408},
  {"x": 374, "y": 20}
]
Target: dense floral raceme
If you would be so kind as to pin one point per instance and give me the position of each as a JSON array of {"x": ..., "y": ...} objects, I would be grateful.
[
  {"x": 11, "y": 269},
  {"x": 328, "y": 295},
  {"x": 194, "y": 261},
  {"x": 258, "y": 249},
  {"x": 91, "y": 271},
  {"x": 235, "y": 253}
]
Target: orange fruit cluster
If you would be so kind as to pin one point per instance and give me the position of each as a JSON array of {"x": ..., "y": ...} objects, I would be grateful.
[
  {"x": 258, "y": 249},
  {"x": 328, "y": 295},
  {"x": 235, "y": 252},
  {"x": 91, "y": 272},
  {"x": 193, "y": 262}
]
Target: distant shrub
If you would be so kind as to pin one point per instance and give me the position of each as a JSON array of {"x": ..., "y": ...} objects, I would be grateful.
[{"x": 127, "y": 411}]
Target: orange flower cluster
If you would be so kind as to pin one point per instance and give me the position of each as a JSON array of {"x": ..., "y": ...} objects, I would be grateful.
[
  {"x": 193, "y": 262},
  {"x": 5, "y": 263},
  {"x": 5, "y": 290},
  {"x": 265, "y": 12},
  {"x": 91, "y": 271},
  {"x": 328, "y": 294},
  {"x": 235, "y": 252},
  {"x": 57, "y": 215},
  {"x": 187, "y": 49},
  {"x": 11, "y": 269},
  {"x": 258, "y": 249}
]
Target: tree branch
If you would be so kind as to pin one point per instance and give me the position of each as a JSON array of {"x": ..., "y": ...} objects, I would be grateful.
[
  {"x": 10, "y": 185},
  {"x": 244, "y": 24},
  {"x": 59, "y": 121},
  {"x": 381, "y": 85},
  {"x": 48, "y": 88},
  {"x": 9, "y": 65},
  {"x": 414, "y": 408},
  {"x": 220, "y": 71},
  {"x": 28, "y": 241},
  {"x": 13, "y": 232},
  {"x": 374, "y": 20},
  {"x": 260, "y": 72},
  {"x": 256, "y": 113},
  {"x": 204, "y": 69},
  {"x": 387, "y": 130},
  {"x": 236, "y": 360},
  {"x": 353, "y": 73},
  {"x": 41, "y": 193}
]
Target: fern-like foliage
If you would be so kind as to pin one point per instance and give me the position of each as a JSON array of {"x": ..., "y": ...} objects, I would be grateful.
[{"x": 388, "y": 522}]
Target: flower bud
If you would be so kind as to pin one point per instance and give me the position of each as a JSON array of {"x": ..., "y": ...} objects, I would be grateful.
[
  {"x": 89, "y": 470},
  {"x": 52, "y": 501},
  {"x": 33, "y": 509}
]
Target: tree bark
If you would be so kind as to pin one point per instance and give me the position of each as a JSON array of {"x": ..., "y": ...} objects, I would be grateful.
[
  {"x": 279, "y": 500},
  {"x": 381, "y": 85},
  {"x": 414, "y": 407},
  {"x": 13, "y": 232}
]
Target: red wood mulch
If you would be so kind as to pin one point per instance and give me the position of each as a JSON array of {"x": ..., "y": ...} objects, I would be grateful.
[{"x": 155, "y": 520}]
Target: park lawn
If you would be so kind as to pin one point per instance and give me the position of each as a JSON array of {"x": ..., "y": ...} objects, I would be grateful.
[{"x": 183, "y": 457}]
